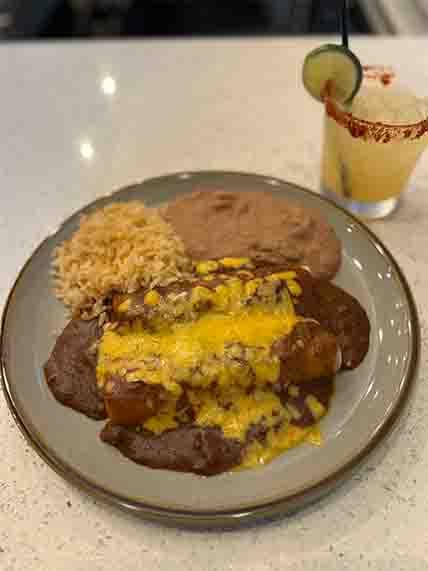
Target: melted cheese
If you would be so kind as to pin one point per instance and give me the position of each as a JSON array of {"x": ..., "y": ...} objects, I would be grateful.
[
  {"x": 199, "y": 352},
  {"x": 235, "y": 412},
  {"x": 243, "y": 412},
  {"x": 161, "y": 422},
  {"x": 278, "y": 442}
]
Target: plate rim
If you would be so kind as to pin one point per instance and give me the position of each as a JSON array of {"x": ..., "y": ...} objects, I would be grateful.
[{"x": 224, "y": 517}]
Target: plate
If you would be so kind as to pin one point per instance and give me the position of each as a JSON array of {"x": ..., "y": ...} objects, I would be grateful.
[{"x": 366, "y": 405}]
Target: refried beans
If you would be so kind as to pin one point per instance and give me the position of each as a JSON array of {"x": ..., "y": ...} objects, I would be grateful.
[{"x": 218, "y": 224}]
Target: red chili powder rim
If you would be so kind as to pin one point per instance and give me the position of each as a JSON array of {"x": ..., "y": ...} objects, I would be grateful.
[
  {"x": 374, "y": 131},
  {"x": 380, "y": 72}
]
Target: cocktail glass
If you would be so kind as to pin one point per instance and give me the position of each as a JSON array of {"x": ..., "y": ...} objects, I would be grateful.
[{"x": 366, "y": 164}]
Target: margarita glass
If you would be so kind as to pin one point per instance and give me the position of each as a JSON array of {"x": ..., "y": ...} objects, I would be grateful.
[{"x": 371, "y": 145}]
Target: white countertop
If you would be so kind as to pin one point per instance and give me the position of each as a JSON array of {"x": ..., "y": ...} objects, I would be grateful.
[{"x": 230, "y": 105}]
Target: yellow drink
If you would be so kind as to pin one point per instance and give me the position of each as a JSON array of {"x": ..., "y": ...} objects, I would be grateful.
[{"x": 371, "y": 148}]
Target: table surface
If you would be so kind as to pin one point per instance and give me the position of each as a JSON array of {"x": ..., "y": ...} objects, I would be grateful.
[{"x": 80, "y": 120}]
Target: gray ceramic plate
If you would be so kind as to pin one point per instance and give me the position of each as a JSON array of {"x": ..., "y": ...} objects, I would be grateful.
[{"x": 367, "y": 401}]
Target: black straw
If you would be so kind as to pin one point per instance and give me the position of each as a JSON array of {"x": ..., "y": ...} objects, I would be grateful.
[{"x": 344, "y": 24}]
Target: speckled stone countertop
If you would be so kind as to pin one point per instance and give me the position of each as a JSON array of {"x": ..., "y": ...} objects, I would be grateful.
[{"x": 230, "y": 105}]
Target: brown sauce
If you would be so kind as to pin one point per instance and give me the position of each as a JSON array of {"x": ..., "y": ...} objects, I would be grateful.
[
  {"x": 338, "y": 312},
  {"x": 321, "y": 389},
  {"x": 70, "y": 370},
  {"x": 203, "y": 451}
]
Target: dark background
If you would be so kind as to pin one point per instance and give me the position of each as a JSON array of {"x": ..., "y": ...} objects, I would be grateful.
[
  {"x": 68, "y": 19},
  {"x": 32, "y": 19}
]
